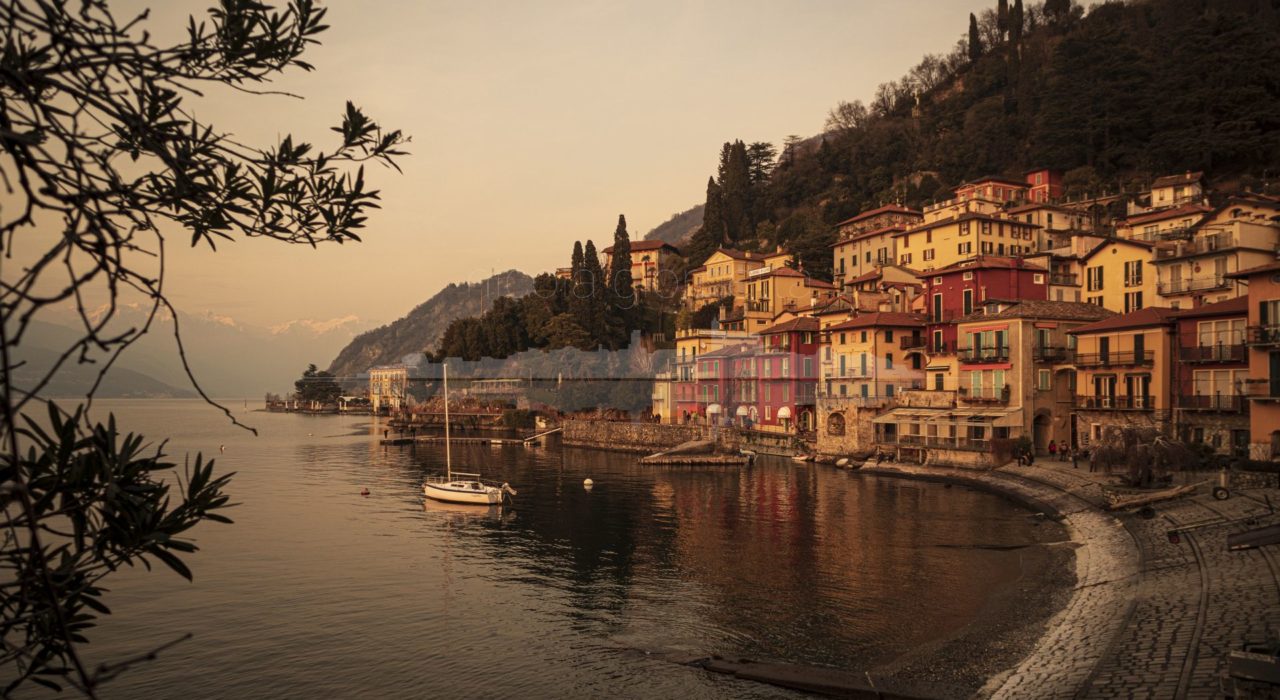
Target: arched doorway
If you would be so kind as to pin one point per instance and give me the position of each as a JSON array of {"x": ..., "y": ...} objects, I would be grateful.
[{"x": 1042, "y": 432}]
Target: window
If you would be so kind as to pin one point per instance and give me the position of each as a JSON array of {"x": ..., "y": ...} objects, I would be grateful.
[
  {"x": 928, "y": 254},
  {"x": 868, "y": 256},
  {"x": 964, "y": 228},
  {"x": 937, "y": 281},
  {"x": 1038, "y": 279},
  {"x": 986, "y": 247},
  {"x": 1093, "y": 277},
  {"x": 1132, "y": 301},
  {"x": 986, "y": 227},
  {"x": 968, "y": 301},
  {"x": 937, "y": 381},
  {"x": 888, "y": 336},
  {"x": 928, "y": 236},
  {"x": 864, "y": 336},
  {"x": 968, "y": 276},
  {"x": 906, "y": 241},
  {"x": 965, "y": 248},
  {"x": 1044, "y": 380},
  {"x": 905, "y": 259},
  {"x": 1133, "y": 273},
  {"x": 888, "y": 360}
]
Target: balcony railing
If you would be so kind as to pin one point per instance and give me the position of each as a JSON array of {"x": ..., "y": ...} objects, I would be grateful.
[
  {"x": 1262, "y": 389},
  {"x": 1053, "y": 355},
  {"x": 1212, "y": 353},
  {"x": 1115, "y": 359},
  {"x": 1201, "y": 284},
  {"x": 913, "y": 343},
  {"x": 984, "y": 355},
  {"x": 1195, "y": 246},
  {"x": 1222, "y": 403},
  {"x": 1263, "y": 335},
  {"x": 984, "y": 394},
  {"x": 1116, "y": 403},
  {"x": 942, "y": 348},
  {"x": 758, "y": 305},
  {"x": 1064, "y": 278}
]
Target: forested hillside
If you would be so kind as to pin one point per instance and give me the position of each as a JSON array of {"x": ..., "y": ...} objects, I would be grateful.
[
  {"x": 679, "y": 228},
  {"x": 1112, "y": 97}
]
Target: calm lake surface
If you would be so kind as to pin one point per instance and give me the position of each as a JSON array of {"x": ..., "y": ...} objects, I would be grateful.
[{"x": 317, "y": 591}]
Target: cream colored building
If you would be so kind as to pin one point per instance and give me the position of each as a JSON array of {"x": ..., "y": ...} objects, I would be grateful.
[
  {"x": 866, "y": 241},
  {"x": 773, "y": 291},
  {"x": 1239, "y": 235},
  {"x": 960, "y": 229},
  {"x": 387, "y": 387},
  {"x": 725, "y": 274}
]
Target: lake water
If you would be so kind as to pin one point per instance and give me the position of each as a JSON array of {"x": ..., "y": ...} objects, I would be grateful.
[{"x": 317, "y": 591}]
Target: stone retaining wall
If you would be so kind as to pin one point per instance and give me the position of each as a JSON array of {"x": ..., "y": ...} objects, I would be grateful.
[{"x": 627, "y": 437}]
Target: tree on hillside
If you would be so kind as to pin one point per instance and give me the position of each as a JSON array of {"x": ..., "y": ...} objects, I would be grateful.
[
  {"x": 103, "y": 151},
  {"x": 1057, "y": 12},
  {"x": 317, "y": 385},
  {"x": 975, "y": 42},
  {"x": 1016, "y": 19},
  {"x": 1002, "y": 18},
  {"x": 620, "y": 266},
  {"x": 735, "y": 184},
  {"x": 588, "y": 299},
  {"x": 711, "y": 234}
]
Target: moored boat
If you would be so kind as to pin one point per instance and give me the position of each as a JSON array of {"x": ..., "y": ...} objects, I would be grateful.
[{"x": 458, "y": 487}]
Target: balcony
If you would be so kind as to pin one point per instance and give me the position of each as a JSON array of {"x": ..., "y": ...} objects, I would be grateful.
[
  {"x": 943, "y": 348},
  {"x": 1197, "y": 284},
  {"x": 978, "y": 356},
  {"x": 1116, "y": 403},
  {"x": 1063, "y": 278},
  {"x": 1221, "y": 403},
  {"x": 1196, "y": 246},
  {"x": 1053, "y": 355},
  {"x": 1212, "y": 353},
  {"x": 1262, "y": 336},
  {"x": 758, "y": 305},
  {"x": 1261, "y": 389},
  {"x": 913, "y": 343},
  {"x": 985, "y": 394},
  {"x": 1116, "y": 359}
]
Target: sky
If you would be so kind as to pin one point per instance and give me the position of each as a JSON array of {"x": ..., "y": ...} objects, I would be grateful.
[{"x": 533, "y": 124}]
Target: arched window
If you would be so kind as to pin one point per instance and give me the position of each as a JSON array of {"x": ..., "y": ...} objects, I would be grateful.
[{"x": 835, "y": 424}]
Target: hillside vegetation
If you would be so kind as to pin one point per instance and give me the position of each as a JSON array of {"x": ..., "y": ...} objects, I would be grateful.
[{"x": 1112, "y": 97}]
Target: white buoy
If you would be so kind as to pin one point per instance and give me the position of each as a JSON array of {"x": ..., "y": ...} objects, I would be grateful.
[
  {"x": 222, "y": 448},
  {"x": 587, "y": 484}
]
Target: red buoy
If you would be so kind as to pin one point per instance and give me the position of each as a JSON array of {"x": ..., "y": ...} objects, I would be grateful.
[{"x": 364, "y": 492}]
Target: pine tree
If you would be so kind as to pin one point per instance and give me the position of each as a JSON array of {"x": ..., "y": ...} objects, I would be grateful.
[{"x": 975, "y": 41}]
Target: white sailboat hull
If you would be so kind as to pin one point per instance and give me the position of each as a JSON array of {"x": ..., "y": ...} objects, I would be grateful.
[{"x": 462, "y": 491}]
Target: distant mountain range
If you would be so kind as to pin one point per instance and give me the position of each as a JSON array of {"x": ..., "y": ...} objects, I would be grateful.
[
  {"x": 679, "y": 228},
  {"x": 421, "y": 329},
  {"x": 229, "y": 358}
]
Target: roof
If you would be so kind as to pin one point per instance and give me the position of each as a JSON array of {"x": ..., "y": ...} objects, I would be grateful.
[
  {"x": 646, "y": 245},
  {"x": 741, "y": 255},
  {"x": 1237, "y": 306},
  {"x": 985, "y": 262},
  {"x": 1126, "y": 241},
  {"x": 894, "y": 228},
  {"x": 886, "y": 209},
  {"x": 802, "y": 323},
  {"x": 1032, "y": 206},
  {"x": 1043, "y": 308},
  {"x": 1183, "y": 179},
  {"x": 1242, "y": 274},
  {"x": 1168, "y": 214},
  {"x": 728, "y": 350},
  {"x": 880, "y": 319},
  {"x": 993, "y": 178},
  {"x": 1142, "y": 318},
  {"x": 841, "y": 304},
  {"x": 967, "y": 216}
]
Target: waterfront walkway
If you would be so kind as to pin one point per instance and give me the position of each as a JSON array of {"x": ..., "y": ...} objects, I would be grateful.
[{"x": 1148, "y": 618}]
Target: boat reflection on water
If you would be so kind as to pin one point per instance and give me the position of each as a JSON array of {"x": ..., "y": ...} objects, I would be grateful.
[{"x": 460, "y": 512}]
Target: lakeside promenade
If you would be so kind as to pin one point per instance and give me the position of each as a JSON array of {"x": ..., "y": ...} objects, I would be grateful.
[{"x": 1147, "y": 618}]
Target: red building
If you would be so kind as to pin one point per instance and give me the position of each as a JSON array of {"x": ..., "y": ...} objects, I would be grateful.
[
  {"x": 786, "y": 376},
  {"x": 959, "y": 289},
  {"x": 1043, "y": 185}
]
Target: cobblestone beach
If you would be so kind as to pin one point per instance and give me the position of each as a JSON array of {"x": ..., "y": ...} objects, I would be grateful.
[{"x": 1148, "y": 618}]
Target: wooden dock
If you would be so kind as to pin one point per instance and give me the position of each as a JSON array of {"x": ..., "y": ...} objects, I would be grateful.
[{"x": 456, "y": 440}]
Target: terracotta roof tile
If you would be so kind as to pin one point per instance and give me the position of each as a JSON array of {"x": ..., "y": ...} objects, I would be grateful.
[
  {"x": 1143, "y": 318},
  {"x": 879, "y": 319},
  {"x": 1043, "y": 308}
]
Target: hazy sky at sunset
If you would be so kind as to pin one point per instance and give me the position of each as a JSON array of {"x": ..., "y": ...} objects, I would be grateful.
[{"x": 535, "y": 124}]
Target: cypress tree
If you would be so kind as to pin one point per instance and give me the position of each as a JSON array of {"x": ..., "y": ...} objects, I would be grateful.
[
  {"x": 575, "y": 263},
  {"x": 590, "y": 297},
  {"x": 1015, "y": 22},
  {"x": 736, "y": 186},
  {"x": 975, "y": 41},
  {"x": 1002, "y": 17},
  {"x": 620, "y": 264}
]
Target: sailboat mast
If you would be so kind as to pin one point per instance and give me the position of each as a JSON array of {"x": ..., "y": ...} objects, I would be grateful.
[{"x": 448, "y": 458}]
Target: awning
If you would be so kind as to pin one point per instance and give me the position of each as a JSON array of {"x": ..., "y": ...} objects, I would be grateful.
[
  {"x": 713, "y": 408},
  {"x": 1011, "y": 419},
  {"x": 910, "y": 415},
  {"x": 743, "y": 411},
  {"x": 784, "y": 413},
  {"x": 937, "y": 368}
]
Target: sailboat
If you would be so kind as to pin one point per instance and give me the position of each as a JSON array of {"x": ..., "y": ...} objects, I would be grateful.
[{"x": 459, "y": 487}]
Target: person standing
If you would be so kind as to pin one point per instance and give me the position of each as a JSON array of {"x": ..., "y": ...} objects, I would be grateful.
[{"x": 1053, "y": 449}]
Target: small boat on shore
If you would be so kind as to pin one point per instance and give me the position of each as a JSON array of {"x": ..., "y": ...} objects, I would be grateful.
[{"x": 459, "y": 487}]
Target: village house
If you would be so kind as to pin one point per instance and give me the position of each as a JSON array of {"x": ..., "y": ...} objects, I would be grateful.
[
  {"x": 1241, "y": 234},
  {"x": 387, "y": 387},
  {"x": 1118, "y": 275},
  {"x": 1056, "y": 223},
  {"x": 887, "y": 288},
  {"x": 1262, "y": 388},
  {"x": 786, "y": 375},
  {"x": 1177, "y": 190},
  {"x": 867, "y": 361},
  {"x": 1162, "y": 224},
  {"x": 681, "y": 396},
  {"x": 773, "y": 291},
  {"x": 865, "y": 242},
  {"x": 725, "y": 273},
  {"x": 973, "y": 223},
  {"x": 653, "y": 265},
  {"x": 1211, "y": 371},
  {"x": 1124, "y": 368},
  {"x": 1043, "y": 185}
]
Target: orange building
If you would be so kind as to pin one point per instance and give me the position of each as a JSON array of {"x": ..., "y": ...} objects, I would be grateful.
[{"x": 1262, "y": 388}]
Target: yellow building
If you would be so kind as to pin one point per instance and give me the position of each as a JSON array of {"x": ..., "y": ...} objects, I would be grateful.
[
  {"x": 771, "y": 292},
  {"x": 866, "y": 242},
  {"x": 1125, "y": 375},
  {"x": 1056, "y": 223},
  {"x": 1177, "y": 190},
  {"x": 960, "y": 229},
  {"x": 1241, "y": 234},
  {"x": 725, "y": 274},
  {"x": 1162, "y": 224},
  {"x": 1118, "y": 275},
  {"x": 653, "y": 265}
]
